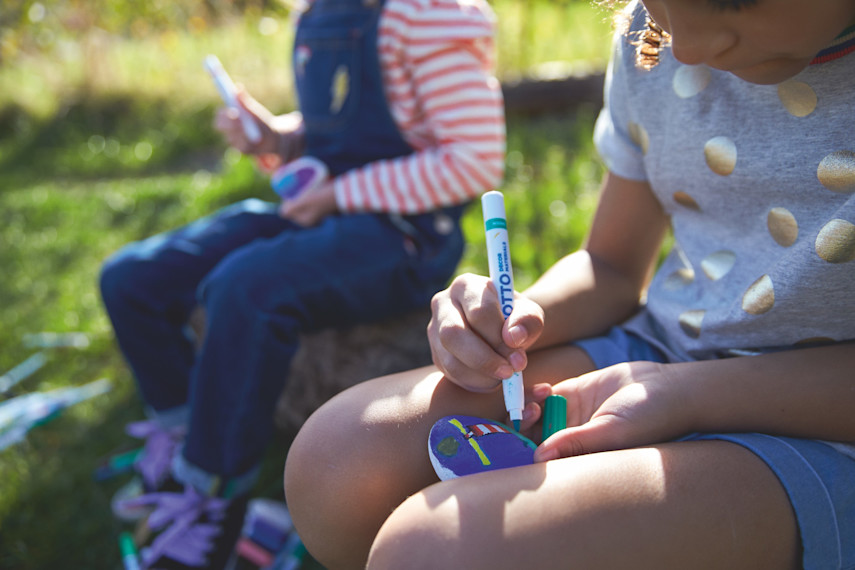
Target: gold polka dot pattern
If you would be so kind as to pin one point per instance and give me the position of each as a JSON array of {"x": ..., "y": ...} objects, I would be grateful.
[
  {"x": 685, "y": 200},
  {"x": 690, "y": 322},
  {"x": 689, "y": 80},
  {"x": 639, "y": 136},
  {"x": 760, "y": 297},
  {"x": 837, "y": 171},
  {"x": 679, "y": 279},
  {"x": 717, "y": 265},
  {"x": 783, "y": 226},
  {"x": 835, "y": 242},
  {"x": 707, "y": 278},
  {"x": 720, "y": 154},
  {"x": 799, "y": 98}
]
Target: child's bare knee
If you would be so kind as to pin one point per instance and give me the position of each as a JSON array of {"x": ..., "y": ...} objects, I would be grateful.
[
  {"x": 317, "y": 489},
  {"x": 413, "y": 537}
]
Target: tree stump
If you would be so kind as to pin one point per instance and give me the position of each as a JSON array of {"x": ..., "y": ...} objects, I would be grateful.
[{"x": 331, "y": 360}]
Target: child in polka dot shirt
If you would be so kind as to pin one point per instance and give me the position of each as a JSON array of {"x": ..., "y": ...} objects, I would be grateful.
[{"x": 711, "y": 407}]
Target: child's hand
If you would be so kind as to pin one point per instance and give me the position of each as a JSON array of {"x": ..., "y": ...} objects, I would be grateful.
[
  {"x": 622, "y": 406},
  {"x": 471, "y": 343},
  {"x": 310, "y": 207},
  {"x": 276, "y": 132}
]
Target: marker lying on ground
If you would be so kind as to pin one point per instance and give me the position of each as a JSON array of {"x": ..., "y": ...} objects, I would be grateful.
[
  {"x": 501, "y": 272},
  {"x": 22, "y": 371},
  {"x": 128, "y": 549},
  {"x": 56, "y": 340},
  {"x": 228, "y": 92}
]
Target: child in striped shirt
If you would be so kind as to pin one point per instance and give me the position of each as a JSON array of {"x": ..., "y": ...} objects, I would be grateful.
[{"x": 398, "y": 100}]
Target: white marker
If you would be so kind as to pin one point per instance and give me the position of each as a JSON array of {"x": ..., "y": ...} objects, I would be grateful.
[
  {"x": 228, "y": 92},
  {"x": 501, "y": 272}
]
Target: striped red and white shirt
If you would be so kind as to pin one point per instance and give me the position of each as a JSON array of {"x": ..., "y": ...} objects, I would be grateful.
[{"x": 437, "y": 61}]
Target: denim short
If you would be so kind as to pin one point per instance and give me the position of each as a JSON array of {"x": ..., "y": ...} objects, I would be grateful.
[
  {"x": 819, "y": 479},
  {"x": 619, "y": 346}
]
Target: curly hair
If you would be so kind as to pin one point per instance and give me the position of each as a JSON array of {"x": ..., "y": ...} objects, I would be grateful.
[{"x": 650, "y": 44}]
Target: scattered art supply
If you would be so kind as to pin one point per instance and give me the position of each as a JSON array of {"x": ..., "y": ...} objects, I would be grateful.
[
  {"x": 267, "y": 530},
  {"x": 117, "y": 464},
  {"x": 228, "y": 92},
  {"x": 22, "y": 371},
  {"x": 502, "y": 275},
  {"x": 292, "y": 555},
  {"x": 56, "y": 340},
  {"x": 463, "y": 445},
  {"x": 554, "y": 415},
  {"x": 292, "y": 179},
  {"x": 130, "y": 558},
  {"x": 20, "y": 414}
]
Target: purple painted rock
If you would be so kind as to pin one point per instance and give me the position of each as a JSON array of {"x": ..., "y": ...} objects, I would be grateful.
[{"x": 462, "y": 445}]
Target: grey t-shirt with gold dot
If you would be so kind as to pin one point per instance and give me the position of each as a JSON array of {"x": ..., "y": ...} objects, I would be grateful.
[{"x": 759, "y": 182}]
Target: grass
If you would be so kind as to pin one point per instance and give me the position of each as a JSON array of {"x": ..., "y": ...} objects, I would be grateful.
[{"x": 99, "y": 147}]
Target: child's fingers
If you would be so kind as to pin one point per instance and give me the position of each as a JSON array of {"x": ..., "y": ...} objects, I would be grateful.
[
  {"x": 532, "y": 413},
  {"x": 603, "y": 433}
]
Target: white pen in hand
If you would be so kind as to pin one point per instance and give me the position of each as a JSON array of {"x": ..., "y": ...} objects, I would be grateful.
[
  {"x": 228, "y": 92},
  {"x": 501, "y": 273}
]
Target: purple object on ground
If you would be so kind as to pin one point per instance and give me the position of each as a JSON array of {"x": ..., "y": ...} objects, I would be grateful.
[{"x": 462, "y": 445}]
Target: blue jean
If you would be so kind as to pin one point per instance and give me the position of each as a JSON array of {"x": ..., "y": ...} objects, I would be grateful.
[{"x": 262, "y": 281}]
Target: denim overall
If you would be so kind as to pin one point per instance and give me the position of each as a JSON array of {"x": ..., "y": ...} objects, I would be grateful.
[{"x": 263, "y": 280}]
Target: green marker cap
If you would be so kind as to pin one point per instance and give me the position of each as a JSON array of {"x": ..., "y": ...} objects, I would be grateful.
[
  {"x": 127, "y": 545},
  {"x": 554, "y": 415}
]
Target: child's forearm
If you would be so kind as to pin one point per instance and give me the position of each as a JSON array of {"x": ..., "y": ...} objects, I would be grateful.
[
  {"x": 801, "y": 393},
  {"x": 581, "y": 297},
  {"x": 593, "y": 289}
]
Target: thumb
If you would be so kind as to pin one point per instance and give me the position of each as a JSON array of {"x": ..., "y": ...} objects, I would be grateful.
[
  {"x": 249, "y": 103},
  {"x": 603, "y": 433}
]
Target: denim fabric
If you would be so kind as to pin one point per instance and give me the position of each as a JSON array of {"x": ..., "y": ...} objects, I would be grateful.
[
  {"x": 340, "y": 86},
  {"x": 819, "y": 482},
  {"x": 816, "y": 476},
  {"x": 618, "y": 346},
  {"x": 262, "y": 281}
]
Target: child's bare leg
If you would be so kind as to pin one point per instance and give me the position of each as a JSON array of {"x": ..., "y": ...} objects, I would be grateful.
[
  {"x": 698, "y": 505},
  {"x": 365, "y": 451}
]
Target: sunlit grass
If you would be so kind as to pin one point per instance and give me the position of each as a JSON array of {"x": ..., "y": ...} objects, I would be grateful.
[{"x": 256, "y": 51}]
